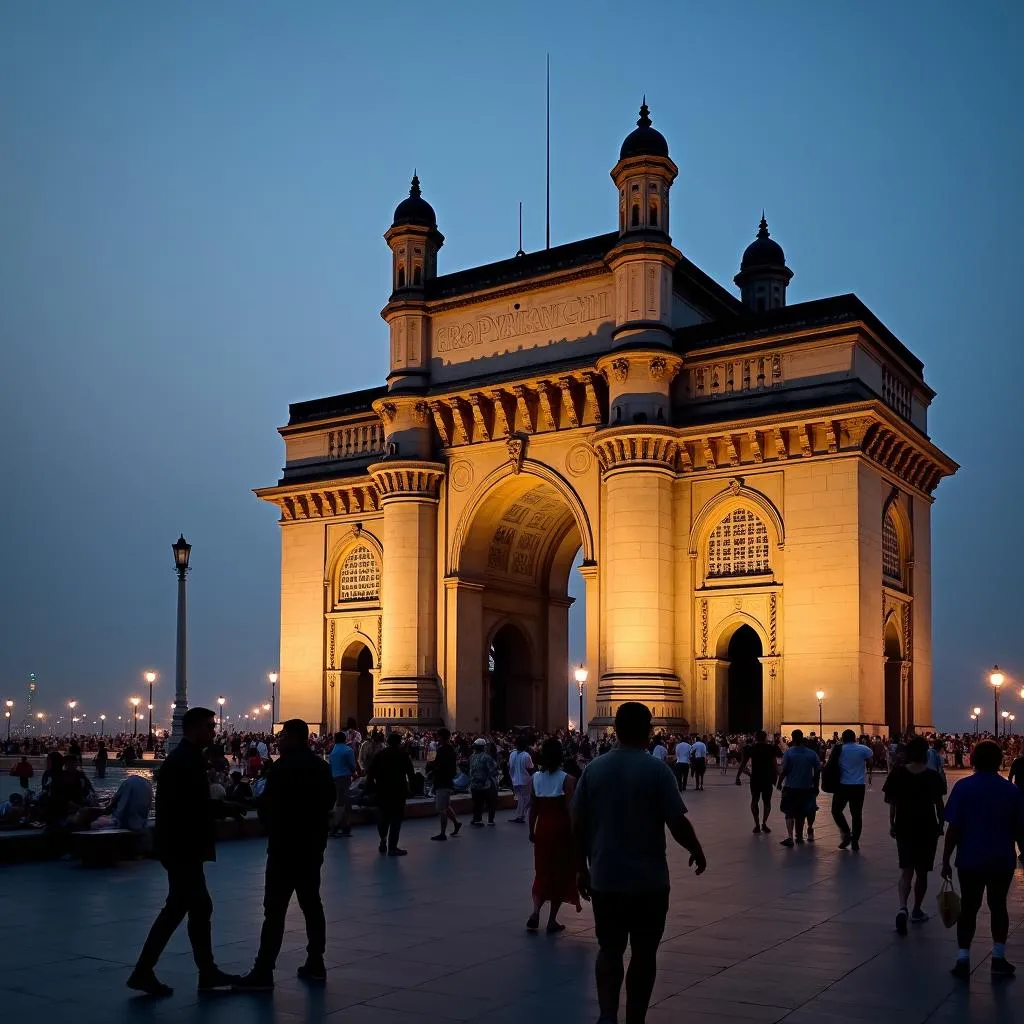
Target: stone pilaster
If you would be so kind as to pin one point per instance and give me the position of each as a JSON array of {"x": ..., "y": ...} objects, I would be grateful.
[
  {"x": 408, "y": 694},
  {"x": 638, "y": 466}
]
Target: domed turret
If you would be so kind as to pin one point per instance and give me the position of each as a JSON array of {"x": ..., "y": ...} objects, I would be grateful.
[
  {"x": 644, "y": 140},
  {"x": 415, "y": 209},
  {"x": 763, "y": 276}
]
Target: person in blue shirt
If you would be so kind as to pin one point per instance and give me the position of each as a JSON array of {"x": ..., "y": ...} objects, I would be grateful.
[
  {"x": 342, "y": 759},
  {"x": 985, "y": 815}
]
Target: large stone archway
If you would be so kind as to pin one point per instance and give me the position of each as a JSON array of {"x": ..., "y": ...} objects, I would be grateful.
[{"x": 507, "y": 634}]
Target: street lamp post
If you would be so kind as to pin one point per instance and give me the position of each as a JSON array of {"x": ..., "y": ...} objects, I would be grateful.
[
  {"x": 150, "y": 678},
  {"x": 135, "y": 702},
  {"x": 821, "y": 696},
  {"x": 220, "y": 717},
  {"x": 266, "y": 711},
  {"x": 103, "y": 719},
  {"x": 1005, "y": 715},
  {"x": 996, "y": 678},
  {"x": 7, "y": 714},
  {"x": 182, "y": 550},
  {"x": 974, "y": 719},
  {"x": 1012, "y": 719},
  {"x": 976, "y": 715},
  {"x": 272, "y": 676},
  {"x": 581, "y": 682}
]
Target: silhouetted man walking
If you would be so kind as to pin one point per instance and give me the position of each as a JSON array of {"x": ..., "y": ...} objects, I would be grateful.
[
  {"x": 295, "y": 809},
  {"x": 183, "y": 841},
  {"x": 624, "y": 802},
  {"x": 390, "y": 776}
]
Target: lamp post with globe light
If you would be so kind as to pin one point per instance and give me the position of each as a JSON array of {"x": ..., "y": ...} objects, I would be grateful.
[
  {"x": 7, "y": 714},
  {"x": 220, "y": 717},
  {"x": 103, "y": 719},
  {"x": 996, "y": 678},
  {"x": 182, "y": 550},
  {"x": 272, "y": 676},
  {"x": 135, "y": 702},
  {"x": 581, "y": 682},
  {"x": 150, "y": 678},
  {"x": 1004, "y": 715},
  {"x": 266, "y": 711},
  {"x": 820, "y": 696},
  {"x": 976, "y": 715}
]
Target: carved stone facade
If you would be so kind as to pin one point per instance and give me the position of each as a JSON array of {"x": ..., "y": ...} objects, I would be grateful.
[{"x": 607, "y": 398}]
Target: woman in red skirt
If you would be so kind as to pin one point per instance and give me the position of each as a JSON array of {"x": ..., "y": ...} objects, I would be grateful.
[{"x": 554, "y": 862}]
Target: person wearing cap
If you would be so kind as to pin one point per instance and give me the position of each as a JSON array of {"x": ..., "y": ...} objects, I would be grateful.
[{"x": 483, "y": 782}]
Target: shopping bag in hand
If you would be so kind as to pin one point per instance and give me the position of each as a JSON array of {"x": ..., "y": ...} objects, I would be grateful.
[{"x": 949, "y": 903}]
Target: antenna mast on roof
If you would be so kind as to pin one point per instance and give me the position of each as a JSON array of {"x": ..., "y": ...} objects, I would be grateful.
[
  {"x": 547, "y": 169},
  {"x": 519, "y": 251}
]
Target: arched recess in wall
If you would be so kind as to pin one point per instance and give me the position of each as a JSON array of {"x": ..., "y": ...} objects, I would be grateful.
[
  {"x": 896, "y": 534},
  {"x": 347, "y": 546},
  {"x": 490, "y": 489},
  {"x": 715, "y": 510}
]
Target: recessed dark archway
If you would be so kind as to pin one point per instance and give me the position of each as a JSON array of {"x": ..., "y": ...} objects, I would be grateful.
[
  {"x": 745, "y": 693},
  {"x": 356, "y": 697},
  {"x": 509, "y": 680},
  {"x": 893, "y": 681}
]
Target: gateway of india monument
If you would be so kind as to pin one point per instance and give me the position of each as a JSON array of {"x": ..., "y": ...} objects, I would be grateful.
[{"x": 745, "y": 487}]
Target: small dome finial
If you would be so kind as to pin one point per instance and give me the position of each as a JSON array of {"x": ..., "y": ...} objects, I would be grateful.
[
  {"x": 644, "y": 121},
  {"x": 414, "y": 188},
  {"x": 762, "y": 231}
]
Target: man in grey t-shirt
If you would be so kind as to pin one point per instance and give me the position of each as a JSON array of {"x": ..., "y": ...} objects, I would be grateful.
[{"x": 623, "y": 803}]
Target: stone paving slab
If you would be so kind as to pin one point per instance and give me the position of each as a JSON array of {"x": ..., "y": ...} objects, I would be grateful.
[{"x": 803, "y": 936}]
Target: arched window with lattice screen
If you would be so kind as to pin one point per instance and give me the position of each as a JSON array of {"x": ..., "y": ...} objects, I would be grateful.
[
  {"x": 892, "y": 559},
  {"x": 738, "y": 546},
  {"x": 359, "y": 578}
]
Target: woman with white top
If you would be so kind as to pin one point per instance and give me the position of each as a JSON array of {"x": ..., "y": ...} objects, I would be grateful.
[{"x": 554, "y": 861}]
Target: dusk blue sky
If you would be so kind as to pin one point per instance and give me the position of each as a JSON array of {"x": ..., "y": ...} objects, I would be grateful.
[{"x": 192, "y": 202}]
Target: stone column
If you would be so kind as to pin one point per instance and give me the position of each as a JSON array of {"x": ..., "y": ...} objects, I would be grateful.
[
  {"x": 593, "y": 663},
  {"x": 771, "y": 688},
  {"x": 638, "y": 573},
  {"x": 466, "y": 659},
  {"x": 408, "y": 694}
]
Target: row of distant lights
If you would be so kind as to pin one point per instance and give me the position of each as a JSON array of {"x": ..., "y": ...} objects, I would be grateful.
[{"x": 150, "y": 678}]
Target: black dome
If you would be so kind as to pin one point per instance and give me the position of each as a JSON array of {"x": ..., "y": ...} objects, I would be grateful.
[
  {"x": 644, "y": 140},
  {"x": 763, "y": 251},
  {"x": 415, "y": 209}
]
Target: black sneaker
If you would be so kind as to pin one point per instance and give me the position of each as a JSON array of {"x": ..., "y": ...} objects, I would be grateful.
[
  {"x": 439, "y": 838},
  {"x": 757, "y": 830},
  {"x": 147, "y": 982},
  {"x": 961, "y": 969},
  {"x": 855, "y": 846},
  {"x": 312, "y": 970},
  {"x": 456, "y": 827},
  {"x": 396, "y": 852},
  {"x": 210, "y": 981},
  {"x": 1002, "y": 968},
  {"x": 901, "y": 921},
  {"x": 787, "y": 843},
  {"x": 844, "y": 842},
  {"x": 255, "y": 981},
  {"x": 383, "y": 847},
  {"x": 765, "y": 829},
  {"x": 810, "y": 835},
  {"x": 799, "y": 839}
]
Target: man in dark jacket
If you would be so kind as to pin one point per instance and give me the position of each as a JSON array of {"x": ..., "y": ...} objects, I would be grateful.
[
  {"x": 183, "y": 840},
  {"x": 295, "y": 810},
  {"x": 445, "y": 770},
  {"x": 390, "y": 776}
]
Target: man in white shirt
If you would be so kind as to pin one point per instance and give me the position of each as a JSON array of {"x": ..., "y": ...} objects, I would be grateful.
[
  {"x": 660, "y": 751},
  {"x": 853, "y": 760},
  {"x": 699, "y": 760},
  {"x": 682, "y": 765},
  {"x": 520, "y": 768}
]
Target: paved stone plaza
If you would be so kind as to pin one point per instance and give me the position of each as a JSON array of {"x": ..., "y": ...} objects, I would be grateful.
[{"x": 767, "y": 934}]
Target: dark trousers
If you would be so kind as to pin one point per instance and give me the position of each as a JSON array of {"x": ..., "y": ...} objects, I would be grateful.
[
  {"x": 187, "y": 895},
  {"x": 854, "y": 796},
  {"x": 484, "y": 798},
  {"x": 973, "y": 886},
  {"x": 390, "y": 815},
  {"x": 700, "y": 766},
  {"x": 682, "y": 772},
  {"x": 287, "y": 875}
]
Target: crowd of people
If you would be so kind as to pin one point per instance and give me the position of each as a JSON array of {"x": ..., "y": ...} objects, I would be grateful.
[{"x": 595, "y": 810}]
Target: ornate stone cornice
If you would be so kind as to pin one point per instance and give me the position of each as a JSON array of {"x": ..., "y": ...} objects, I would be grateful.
[
  {"x": 636, "y": 446},
  {"x": 404, "y": 479},
  {"x": 325, "y": 500}
]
